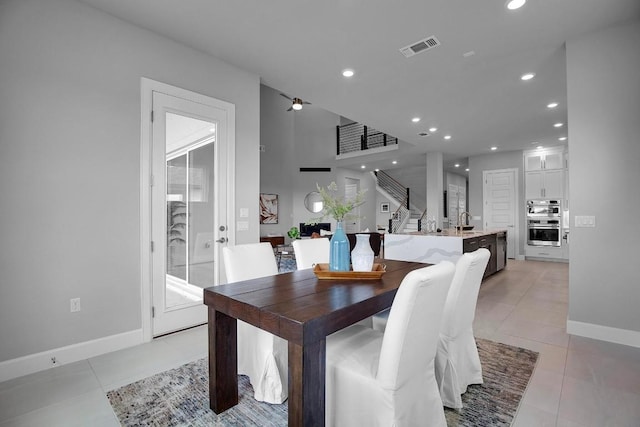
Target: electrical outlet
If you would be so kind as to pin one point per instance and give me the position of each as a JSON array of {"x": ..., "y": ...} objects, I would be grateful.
[{"x": 75, "y": 304}]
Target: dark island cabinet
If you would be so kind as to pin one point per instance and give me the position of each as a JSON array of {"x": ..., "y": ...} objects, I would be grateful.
[{"x": 489, "y": 242}]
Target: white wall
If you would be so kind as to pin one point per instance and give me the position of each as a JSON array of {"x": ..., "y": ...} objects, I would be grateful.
[
  {"x": 70, "y": 166},
  {"x": 277, "y": 162},
  {"x": 604, "y": 143}
]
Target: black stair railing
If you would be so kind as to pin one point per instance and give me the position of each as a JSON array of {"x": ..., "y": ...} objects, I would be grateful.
[
  {"x": 396, "y": 190},
  {"x": 358, "y": 137}
]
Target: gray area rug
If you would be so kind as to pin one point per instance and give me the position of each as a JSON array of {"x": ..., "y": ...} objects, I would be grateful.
[{"x": 180, "y": 397}]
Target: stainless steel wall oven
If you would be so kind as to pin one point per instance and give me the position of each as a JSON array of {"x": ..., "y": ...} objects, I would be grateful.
[{"x": 544, "y": 232}]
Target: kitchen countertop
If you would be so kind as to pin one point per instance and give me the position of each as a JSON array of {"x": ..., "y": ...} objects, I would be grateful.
[{"x": 451, "y": 232}]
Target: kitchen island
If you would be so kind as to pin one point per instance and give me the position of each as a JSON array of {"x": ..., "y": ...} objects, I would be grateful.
[{"x": 447, "y": 245}]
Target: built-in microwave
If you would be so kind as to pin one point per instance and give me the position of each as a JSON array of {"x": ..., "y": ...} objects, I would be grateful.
[{"x": 544, "y": 208}]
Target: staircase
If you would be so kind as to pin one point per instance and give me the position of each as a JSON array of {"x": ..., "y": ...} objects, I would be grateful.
[{"x": 406, "y": 218}]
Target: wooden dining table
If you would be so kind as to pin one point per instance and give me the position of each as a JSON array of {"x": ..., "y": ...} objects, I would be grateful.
[{"x": 302, "y": 309}]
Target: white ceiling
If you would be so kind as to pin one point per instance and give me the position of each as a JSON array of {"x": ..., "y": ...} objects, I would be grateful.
[{"x": 300, "y": 47}]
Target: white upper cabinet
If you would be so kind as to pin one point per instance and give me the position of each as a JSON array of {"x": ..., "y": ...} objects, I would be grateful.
[
  {"x": 544, "y": 160},
  {"x": 545, "y": 174}
]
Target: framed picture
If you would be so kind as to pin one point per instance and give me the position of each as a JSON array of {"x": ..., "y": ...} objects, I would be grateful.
[
  {"x": 268, "y": 208},
  {"x": 384, "y": 207}
]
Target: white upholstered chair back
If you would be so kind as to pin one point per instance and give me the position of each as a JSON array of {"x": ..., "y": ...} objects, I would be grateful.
[
  {"x": 457, "y": 359},
  {"x": 262, "y": 356},
  {"x": 411, "y": 334},
  {"x": 377, "y": 378},
  {"x": 249, "y": 261},
  {"x": 460, "y": 307},
  {"x": 311, "y": 251}
]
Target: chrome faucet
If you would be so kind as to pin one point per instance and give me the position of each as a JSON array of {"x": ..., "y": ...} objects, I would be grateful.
[{"x": 460, "y": 223}]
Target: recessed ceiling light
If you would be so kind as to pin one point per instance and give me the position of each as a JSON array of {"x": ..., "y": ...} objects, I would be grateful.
[
  {"x": 527, "y": 76},
  {"x": 377, "y": 169},
  {"x": 433, "y": 129},
  {"x": 552, "y": 105},
  {"x": 562, "y": 138},
  {"x": 539, "y": 147},
  {"x": 362, "y": 167},
  {"x": 447, "y": 137},
  {"x": 515, "y": 4},
  {"x": 494, "y": 148},
  {"x": 415, "y": 119},
  {"x": 395, "y": 162},
  {"x": 348, "y": 73},
  {"x": 466, "y": 170},
  {"x": 457, "y": 165},
  {"x": 558, "y": 125}
]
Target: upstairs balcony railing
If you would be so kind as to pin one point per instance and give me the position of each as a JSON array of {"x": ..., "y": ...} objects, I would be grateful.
[{"x": 358, "y": 137}]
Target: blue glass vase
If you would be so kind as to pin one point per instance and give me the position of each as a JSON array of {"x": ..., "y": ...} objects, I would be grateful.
[{"x": 339, "y": 255}]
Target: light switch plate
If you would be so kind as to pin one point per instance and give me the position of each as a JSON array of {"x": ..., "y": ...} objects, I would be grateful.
[
  {"x": 585, "y": 221},
  {"x": 242, "y": 225},
  {"x": 244, "y": 212}
]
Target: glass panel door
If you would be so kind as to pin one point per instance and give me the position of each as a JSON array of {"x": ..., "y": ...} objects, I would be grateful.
[
  {"x": 190, "y": 233},
  {"x": 188, "y": 209}
]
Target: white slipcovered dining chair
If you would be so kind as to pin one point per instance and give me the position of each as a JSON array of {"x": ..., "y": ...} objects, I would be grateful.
[
  {"x": 457, "y": 360},
  {"x": 262, "y": 356},
  {"x": 376, "y": 378},
  {"x": 311, "y": 251}
]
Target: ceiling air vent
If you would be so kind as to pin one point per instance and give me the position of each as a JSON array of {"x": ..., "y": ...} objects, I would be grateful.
[
  {"x": 423, "y": 134},
  {"x": 420, "y": 46}
]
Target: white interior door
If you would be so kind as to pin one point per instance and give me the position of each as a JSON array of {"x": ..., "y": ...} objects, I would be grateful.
[
  {"x": 500, "y": 204},
  {"x": 188, "y": 207}
]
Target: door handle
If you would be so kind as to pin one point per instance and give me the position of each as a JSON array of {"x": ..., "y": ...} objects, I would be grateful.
[{"x": 222, "y": 240}]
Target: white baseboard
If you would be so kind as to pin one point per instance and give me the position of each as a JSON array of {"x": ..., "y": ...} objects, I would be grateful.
[
  {"x": 31, "y": 363},
  {"x": 604, "y": 333}
]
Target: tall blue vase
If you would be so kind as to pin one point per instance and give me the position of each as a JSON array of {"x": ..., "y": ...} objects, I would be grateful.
[{"x": 340, "y": 252}]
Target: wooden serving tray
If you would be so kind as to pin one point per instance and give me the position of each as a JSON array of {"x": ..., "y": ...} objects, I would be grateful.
[{"x": 322, "y": 272}]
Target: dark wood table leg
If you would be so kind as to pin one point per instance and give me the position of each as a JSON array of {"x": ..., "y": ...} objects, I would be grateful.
[
  {"x": 223, "y": 361},
  {"x": 307, "y": 366}
]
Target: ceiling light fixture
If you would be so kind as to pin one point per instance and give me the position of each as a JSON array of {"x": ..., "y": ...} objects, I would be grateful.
[
  {"x": 457, "y": 165},
  {"x": 348, "y": 73},
  {"x": 377, "y": 170},
  {"x": 447, "y": 137},
  {"x": 552, "y": 105},
  {"x": 527, "y": 76},
  {"x": 515, "y": 4},
  {"x": 494, "y": 148},
  {"x": 297, "y": 104},
  {"x": 415, "y": 119},
  {"x": 562, "y": 138},
  {"x": 558, "y": 125},
  {"x": 539, "y": 147},
  {"x": 433, "y": 129},
  {"x": 363, "y": 167},
  {"x": 395, "y": 162},
  {"x": 466, "y": 170}
]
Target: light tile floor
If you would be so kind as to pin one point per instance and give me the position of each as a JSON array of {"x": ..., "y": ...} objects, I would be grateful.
[{"x": 577, "y": 382}]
